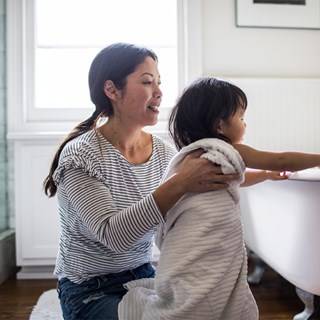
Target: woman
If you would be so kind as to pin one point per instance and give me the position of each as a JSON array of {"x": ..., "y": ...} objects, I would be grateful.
[{"x": 107, "y": 180}]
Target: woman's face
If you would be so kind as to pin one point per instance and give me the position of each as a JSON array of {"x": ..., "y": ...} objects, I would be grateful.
[
  {"x": 234, "y": 128},
  {"x": 138, "y": 102}
]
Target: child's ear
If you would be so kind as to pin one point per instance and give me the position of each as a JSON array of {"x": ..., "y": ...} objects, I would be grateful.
[
  {"x": 110, "y": 90},
  {"x": 220, "y": 126}
]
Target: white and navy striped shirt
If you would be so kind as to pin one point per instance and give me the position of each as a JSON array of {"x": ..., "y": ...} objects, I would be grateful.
[{"x": 107, "y": 213}]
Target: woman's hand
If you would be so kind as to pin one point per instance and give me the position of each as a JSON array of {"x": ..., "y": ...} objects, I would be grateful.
[
  {"x": 194, "y": 174},
  {"x": 201, "y": 175}
]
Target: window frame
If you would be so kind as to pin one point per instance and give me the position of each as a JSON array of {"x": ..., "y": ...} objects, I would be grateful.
[{"x": 24, "y": 118}]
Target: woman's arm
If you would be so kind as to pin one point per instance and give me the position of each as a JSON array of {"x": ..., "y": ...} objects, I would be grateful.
[
  {"x": 254, "y": 177},
  {"x": 117, "y": 229},
  {"x": 278, "y": 161},
  {"x": 121, "y": 229}
]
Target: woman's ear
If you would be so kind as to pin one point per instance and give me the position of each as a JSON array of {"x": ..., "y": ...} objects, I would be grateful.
[{"x": 110, "y": 90}]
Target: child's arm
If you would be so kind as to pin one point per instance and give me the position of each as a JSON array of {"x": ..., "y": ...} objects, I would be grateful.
[
  {"x": 254, "y": 177},
  {"x": 278, "y": 161}
]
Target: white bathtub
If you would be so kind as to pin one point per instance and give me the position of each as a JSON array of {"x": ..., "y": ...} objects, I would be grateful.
[{"x": 282, "y": 226}]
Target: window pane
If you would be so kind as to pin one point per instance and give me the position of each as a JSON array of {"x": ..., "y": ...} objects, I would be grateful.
[
  {"x": 62, "y": 77},
  {"x": 97, "y": 22},
  {"x": 168, "y": 61},
  {"x": 70, "y": 33}
]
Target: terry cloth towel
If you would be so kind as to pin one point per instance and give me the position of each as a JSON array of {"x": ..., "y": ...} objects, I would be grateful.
[{"x": 202, "y": 270}]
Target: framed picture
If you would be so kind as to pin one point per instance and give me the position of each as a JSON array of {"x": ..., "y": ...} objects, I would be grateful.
[{"x": 298, "y": 14}]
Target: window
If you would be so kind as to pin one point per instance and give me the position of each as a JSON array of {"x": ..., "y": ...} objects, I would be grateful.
[
  {"x": 51, "y": 44},
  {"x": 68, "y": 39}
]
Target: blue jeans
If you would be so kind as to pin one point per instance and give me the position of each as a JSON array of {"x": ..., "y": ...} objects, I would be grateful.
[{"x": 98, "y": 298}]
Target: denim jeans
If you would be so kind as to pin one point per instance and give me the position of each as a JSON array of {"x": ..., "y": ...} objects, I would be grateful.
[{"x": 98, "y": 298}]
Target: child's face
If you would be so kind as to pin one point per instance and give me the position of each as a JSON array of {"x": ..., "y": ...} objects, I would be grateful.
[{"x": 234, "y": 128}]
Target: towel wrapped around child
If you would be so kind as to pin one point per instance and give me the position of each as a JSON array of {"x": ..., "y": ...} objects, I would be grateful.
[{"x": 202, "y": 270}]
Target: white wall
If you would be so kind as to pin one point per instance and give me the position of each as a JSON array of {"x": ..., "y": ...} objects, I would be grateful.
[
  {"x": 279, "y": 69},
  {"x": 263, "y": 52}
]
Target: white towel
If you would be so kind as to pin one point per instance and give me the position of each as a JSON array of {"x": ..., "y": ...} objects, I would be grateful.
[
  {"x": 202, "y": 268},
  {"x": 218, "y": 152}
]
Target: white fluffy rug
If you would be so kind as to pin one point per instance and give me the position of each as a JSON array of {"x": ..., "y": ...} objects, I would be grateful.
[{"x": 47, "y": 307}]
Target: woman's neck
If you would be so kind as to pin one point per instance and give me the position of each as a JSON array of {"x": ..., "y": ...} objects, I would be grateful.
[{"x": 133, "y": 143}]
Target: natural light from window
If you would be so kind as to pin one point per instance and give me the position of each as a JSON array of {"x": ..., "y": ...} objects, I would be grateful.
[{"x": 70, "y": 33}]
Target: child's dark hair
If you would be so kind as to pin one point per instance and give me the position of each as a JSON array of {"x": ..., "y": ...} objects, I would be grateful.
[{"x": 200, "y": 108}]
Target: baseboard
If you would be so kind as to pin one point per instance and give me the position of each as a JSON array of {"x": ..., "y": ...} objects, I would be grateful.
[
  {"x": 36, "y": 272},
  {"x": 7, "y": 254}
]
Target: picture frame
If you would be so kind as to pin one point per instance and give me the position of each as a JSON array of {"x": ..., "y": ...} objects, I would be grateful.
[{"x": 298, "y": 14}]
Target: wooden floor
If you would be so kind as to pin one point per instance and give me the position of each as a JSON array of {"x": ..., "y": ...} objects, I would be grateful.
[{"x": 275, "y": 297}]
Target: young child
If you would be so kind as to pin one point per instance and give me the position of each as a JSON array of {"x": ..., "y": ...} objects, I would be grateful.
[{"x": 202, "y": 270}]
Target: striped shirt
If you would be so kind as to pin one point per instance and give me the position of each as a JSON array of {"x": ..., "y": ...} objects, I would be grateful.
[{"x": 108, "y": 215}]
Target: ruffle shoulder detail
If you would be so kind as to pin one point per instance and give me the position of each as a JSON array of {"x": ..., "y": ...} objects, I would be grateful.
[{"x": 79, "y": 155}]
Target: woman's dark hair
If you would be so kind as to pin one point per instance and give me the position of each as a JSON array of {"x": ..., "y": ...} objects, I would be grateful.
[
  {"x": 200, "y": 108},
  {"x": 114, "y": 63}
]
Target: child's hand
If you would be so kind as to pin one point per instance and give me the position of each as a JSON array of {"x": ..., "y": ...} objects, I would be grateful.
[
  {"x": 257, "y": 176},
  {"x": 276, "y": 175}
]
